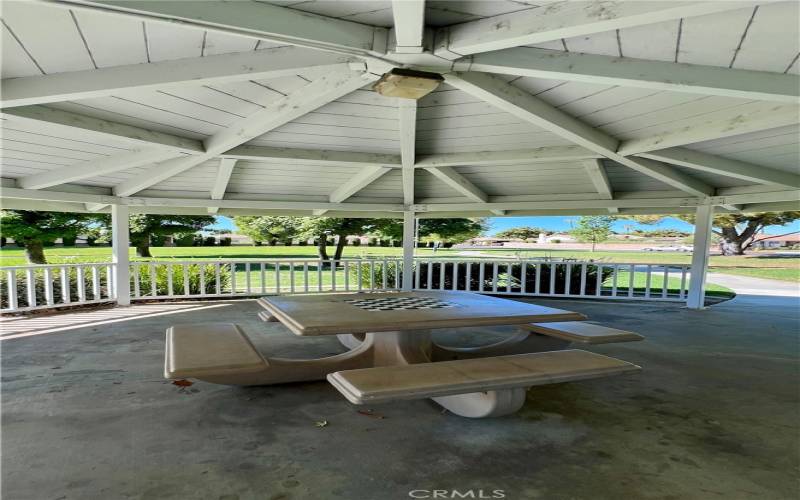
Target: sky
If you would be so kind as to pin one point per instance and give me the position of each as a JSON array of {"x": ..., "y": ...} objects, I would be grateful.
[{"x": 497, "y": 224}]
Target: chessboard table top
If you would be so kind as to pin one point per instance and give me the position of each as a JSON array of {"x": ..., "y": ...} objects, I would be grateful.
[{"x": 330, "y": 314}]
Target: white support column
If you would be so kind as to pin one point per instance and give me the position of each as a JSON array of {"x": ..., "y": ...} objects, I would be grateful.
[
  {"x": 702, "y": 240},
  {"x": 408, "y": 251},
  {"x": 120, "y": 245}
]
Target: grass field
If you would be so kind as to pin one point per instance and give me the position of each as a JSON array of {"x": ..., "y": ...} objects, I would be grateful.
[{"x": 761, "y": 266}]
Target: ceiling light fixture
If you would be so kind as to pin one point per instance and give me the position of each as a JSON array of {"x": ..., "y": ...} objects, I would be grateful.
[{"x": 407, "y": 83}]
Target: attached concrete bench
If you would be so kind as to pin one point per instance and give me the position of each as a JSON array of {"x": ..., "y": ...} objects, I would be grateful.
[
  {"x": 446, "y": 378},
  {"x": 210, "y": 350},
  {"x": 582, "y": 332}
]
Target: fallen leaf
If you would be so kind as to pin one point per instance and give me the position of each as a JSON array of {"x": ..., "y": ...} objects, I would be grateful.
[
  {"x": 182, "y": 382},
  {"x": 369, "y": 413},
  {"x": 321, "y": 423}
]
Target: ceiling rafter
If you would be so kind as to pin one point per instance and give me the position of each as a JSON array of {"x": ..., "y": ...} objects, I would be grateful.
[
  {"x": 255, "y": 19},
  {"x": 56, "y": 122},
  {"x": 224, "y": 171},
  {"x": 563, "y": 20},
  {"x": 724, "y": 166},
  {"x": 641, "y": 73},
  {"x": 597, "y": 174},
  {"x": 409, "y": 25},
  {"x": 755, "y": 117},
  {"x": 308, "y": 98},
  {"x": 94, "y": 168},
  {"x": 162, "y": 75},
  {"x": 358, "y": 182},
  {"x": 532, "y": 109}
]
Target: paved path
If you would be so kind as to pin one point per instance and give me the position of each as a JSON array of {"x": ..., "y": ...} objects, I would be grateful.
[{"x": 746, "y": 285}]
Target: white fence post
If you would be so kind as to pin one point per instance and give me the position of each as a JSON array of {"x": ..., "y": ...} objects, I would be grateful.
[{"x": 120, "y": 244}]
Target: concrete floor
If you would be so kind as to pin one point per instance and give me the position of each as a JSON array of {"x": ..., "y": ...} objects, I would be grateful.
[{"x": 714, "y": 414}]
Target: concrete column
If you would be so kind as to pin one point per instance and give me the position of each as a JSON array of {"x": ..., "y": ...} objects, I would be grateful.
[
  {"x": 120, "y": 245},
  {"x": 408, "y": 251},
  {"x": 702, "y": 242}
]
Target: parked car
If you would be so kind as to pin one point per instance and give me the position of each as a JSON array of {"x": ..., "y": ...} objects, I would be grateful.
[{"x": 670, "y": 248}]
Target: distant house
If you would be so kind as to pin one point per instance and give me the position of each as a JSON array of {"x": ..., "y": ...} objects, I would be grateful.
[
  {"x": 765, "y": 241},
  {"x": 490, "y": 242},
  {"x": 555, "y": 238}
]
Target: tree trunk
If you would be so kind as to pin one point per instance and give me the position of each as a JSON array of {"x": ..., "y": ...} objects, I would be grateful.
[
  {"x": 340, "y": 247},
  {"x": 731, "y": 243},
  {"x": 143, "y": 247},
  {"x": 34, "y": 251},
  {"x": 322, "y": 246}
]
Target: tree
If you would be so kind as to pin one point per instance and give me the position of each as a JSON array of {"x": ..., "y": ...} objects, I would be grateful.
[
  {"x": 737, "y": 231},
  {"x": 522, "y": 233},
  {"x": 593, "y": 229},
  {"x": 447, "y": 230},
  {"x": 322, "y": 227},
  {"x": 268, "y": 228},
  {"x": 34, "y": 229},
  {"x": 145, "y": 226}
]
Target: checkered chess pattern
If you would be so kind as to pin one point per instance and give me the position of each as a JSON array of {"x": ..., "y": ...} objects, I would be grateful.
[{"x": 400, "y": 303}]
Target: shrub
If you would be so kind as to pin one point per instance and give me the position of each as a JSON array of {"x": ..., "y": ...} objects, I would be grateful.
[
  {"x": 225, "y": 242},
  {"x": 91, "y": 241},
  {"x": 209, "y": 241},
  {"x": 302, "y": 243},
  {"x": 257, "y": 243},
  {"x": 184, "y": 240},
  {"x": 162, "y": 279},
  {"x": 272, "y": 243},
  {"x": 3, "y": 241},
  {"x": 397, "y": 243},
  {"x": 287, "y": 243},
  {"x": 556, "y": 240},
  {"x": 69, "y": 241},
  {"x": 356, "y": 242},
  {"x": 384, "y": 243},
  {"x": 514, "y": 277},
  {"x": 391, "y": 273}
]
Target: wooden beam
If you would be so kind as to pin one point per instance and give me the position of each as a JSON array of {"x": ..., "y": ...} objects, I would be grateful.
[
  {"x": 629, "y": 72},
  {"x": 752, "y": 117},
  {"x": 510, "y": 157},
  {"x": 409, "y": 25},
  {"x": 292, "y": 156},
  {"x": 357, "y": 183},
  {"x": 223, "y": 176},
  {"x": 256, "y": 19},
  {"x": 533, "y": 110},
  {"x": 564, "y": 20},
  {"x": 408, "y": 133},
  {"x": 56, "y": 123},
  {"x": 597, "y": 174},
  {"x": 94, "y": 168},
  {"x": 308, "y": 98},
  {"x": 209, "y": 70},
  {"x": 449, "y": 176},
  {"x": 724, "y": 166}
]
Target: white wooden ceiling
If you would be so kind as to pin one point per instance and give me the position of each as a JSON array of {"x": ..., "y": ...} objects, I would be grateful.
[{"x": 715, "y": 120}]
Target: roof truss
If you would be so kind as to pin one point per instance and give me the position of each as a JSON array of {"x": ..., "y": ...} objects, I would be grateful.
[
  {"x": 256, "y": 19},
  {"x": 218, "y": 69},
  {"x": 629, "y": 72},
  {"x": 308, "y": 98},
  {"x": 564, "y": 20}
]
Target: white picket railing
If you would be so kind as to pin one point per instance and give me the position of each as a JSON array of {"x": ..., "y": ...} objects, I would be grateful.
[{"x": 24, "y": 288}]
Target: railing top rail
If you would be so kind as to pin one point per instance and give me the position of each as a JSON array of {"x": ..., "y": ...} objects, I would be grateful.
[{"x": 56, "y": 266}]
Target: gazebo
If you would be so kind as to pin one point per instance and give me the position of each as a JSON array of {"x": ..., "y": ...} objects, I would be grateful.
[
  {"x": 397, "y": 109},
  {"x": 524, "y": 108}
]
